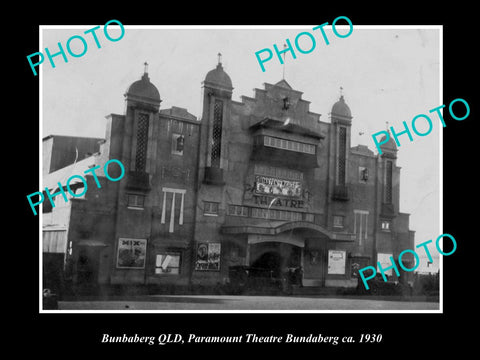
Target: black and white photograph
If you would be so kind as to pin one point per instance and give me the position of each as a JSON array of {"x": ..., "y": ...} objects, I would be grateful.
[
  {"x": 277, "y": 190},
  {"x": 251, "y": 185}
]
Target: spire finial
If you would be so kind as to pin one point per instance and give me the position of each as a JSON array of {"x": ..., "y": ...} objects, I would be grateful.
[
  {"x": 145, "y": 70},
  {"x": 341, "y": 91},
  {"x": 219, "y": 58},
  {"x": 386, "y": 124}
]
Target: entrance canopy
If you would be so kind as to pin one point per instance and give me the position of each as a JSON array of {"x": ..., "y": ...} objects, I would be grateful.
[
  {"x": 91, "y": 243},
  {"x": 273, "y": 228},
  {"x": 285, "y": 238}
]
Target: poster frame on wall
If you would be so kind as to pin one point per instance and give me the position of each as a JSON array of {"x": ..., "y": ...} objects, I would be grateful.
[
  {"x": 208, "y": 256},
  {"x": 337, "y": 262},
  {"x": 138, "y": 253}
]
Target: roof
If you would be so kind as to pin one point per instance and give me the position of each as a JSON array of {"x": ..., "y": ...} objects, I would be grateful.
[
  {"x": 143, "y": 88},
  {"x": 71, "y": 137},
  {"x": 390, "y": 145},
  {"x": 283, "y": 83},
  {"x": 62, "y": 175},
  {"x": 179, "y": 113},
  {"x": 362, "y": 150},
  {"x": 340, "y": 108},
  {"x": 218, "y": 76}
]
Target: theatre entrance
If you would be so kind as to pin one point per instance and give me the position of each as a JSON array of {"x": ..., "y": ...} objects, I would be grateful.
[
  {"x": 88, "y": 268},
  {"x": 277, "y": 251},
  {"x": 276, "y": 257}
]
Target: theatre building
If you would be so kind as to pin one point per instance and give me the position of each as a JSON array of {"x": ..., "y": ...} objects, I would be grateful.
[{"x": 262, "y": 182}]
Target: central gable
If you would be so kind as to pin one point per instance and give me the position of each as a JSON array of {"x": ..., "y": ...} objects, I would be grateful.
[{"x": 284, "y": 104}]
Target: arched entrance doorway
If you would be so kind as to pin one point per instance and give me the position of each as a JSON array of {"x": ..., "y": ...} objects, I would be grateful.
[
  {"x": 275, "y": 257},
  {"x": 271, "y": 261},
  {"x": 283, "y": 246}
]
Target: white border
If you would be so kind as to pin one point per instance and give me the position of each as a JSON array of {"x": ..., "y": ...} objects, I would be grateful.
[{"x": 244, "y": 27}]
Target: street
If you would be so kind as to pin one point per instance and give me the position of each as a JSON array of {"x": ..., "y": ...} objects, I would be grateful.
[{"x": 256, "y": 303}]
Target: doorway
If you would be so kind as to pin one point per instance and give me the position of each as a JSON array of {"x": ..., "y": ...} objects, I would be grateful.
[
  {"x": 276, "y": 257},
  {"x": 88, "y": 262},
  {"x": 269, "y": 261}
]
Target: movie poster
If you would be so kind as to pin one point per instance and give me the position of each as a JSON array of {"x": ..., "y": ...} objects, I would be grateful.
[
  {"x": 131, "y": 253},
  {"x": 208, "y": 256},
  {"x": 336, "y": 262}
]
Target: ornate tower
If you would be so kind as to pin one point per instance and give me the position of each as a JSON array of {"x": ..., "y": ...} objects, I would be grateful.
[
  {"x": 142, "y": 102},
  {"x": 341, "y": 118},
  {"x": 217, "y": 95},
  {"x": 389, "y": 176}
]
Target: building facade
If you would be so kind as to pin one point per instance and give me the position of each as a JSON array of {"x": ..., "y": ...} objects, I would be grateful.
[{"x": 262, "y": 182}]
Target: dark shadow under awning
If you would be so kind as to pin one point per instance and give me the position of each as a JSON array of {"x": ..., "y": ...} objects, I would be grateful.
[
  {"x": 281, "y": 157},
  {"x": 91, "y": 242}
]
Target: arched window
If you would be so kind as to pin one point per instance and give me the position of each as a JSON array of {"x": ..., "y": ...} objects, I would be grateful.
[
  {"x": 388, "y": 182},
  {"x": 342, "y": 155},
  {"x": 142, "y": 142},
  {"x": 217, "y": 133}
]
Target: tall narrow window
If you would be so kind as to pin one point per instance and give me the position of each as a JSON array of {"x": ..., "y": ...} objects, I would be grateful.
[
  {"x": 362, "y": 174},
  {"x": 388, "y": 182},
  {"x": 360, "y": 225},
  {"x": 217, "y": 133},
  {"x": 177, "y": 144},
  {"x": 342, "y": 154},
  {"x": 142, "y": 142}
]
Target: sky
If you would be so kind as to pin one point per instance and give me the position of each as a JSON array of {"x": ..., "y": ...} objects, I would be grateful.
[{"x": 387, "y": 74}]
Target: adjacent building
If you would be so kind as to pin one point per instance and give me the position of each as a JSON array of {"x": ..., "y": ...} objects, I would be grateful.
[{"x": 262, "y": 182}]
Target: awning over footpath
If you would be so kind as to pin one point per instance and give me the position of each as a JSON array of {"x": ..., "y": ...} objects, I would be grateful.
[
  {"x": 91, "y": 242},
  {"x": 250, "y": 226},
  {"x": 272, "y": 228}
]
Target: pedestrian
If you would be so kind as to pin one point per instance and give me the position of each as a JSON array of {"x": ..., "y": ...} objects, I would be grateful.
[
  {"x": 299, "y": 276},
  {"x": 49, "y": 300}
]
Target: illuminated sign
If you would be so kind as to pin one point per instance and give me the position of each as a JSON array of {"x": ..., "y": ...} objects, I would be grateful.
[{"x": 274, "y": 186}]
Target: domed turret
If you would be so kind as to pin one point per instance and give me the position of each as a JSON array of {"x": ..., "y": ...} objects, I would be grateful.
[
  {"x": 340, "y": 109},
  {"x": 144, "y": 88},
  {"x": 390, "y": 147},
  {"x": 218, "y": 76},
  {"x": 143, "y": 92},
  {"x": 218, "y": 79}
]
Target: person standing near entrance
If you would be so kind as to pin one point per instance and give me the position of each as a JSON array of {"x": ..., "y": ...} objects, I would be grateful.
[
  {"x": 68, "y": 275},
  {"x": 287, "y": 280},
  {"x": 299, "y": 276}
]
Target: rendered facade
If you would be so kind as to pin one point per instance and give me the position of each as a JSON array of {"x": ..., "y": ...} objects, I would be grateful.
[{"x": 263, "y": 183}]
